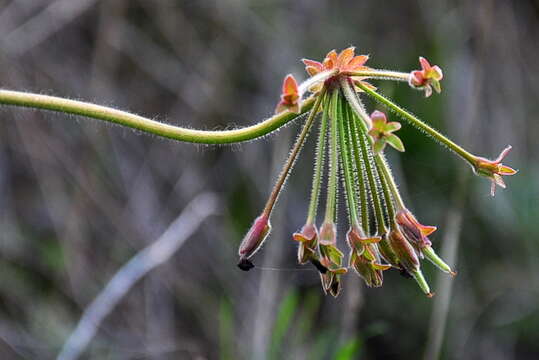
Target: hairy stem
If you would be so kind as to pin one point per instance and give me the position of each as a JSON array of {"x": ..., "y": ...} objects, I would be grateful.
[
  {"x": 435, "y": 134},
  {"x": 345, "y": 161},
  {"x": 293, "y": 156},
  {"x": 318, "y": 165},
  {"x": 52, "y": 103},
  {"x": 380, "y": 74},
  {"x": 331, "y": 203}
]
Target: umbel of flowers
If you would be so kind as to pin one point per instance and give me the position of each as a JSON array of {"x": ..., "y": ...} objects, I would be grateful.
[{"x": 382, "y": 232}]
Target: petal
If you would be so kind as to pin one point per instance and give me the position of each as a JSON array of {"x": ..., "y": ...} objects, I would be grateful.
[
  {"x": 506, "y": 170},
  {"x": 311, "y": 70},
  {"x": 395, "y": 142},
  {"x": 498, "y": 180},
  {"x": 314, "y": 64},
  {"x": 437, "y": 73},
  {"x": 428, "y": 91},
  {"x": 426, "y": 230},
  {"x": 357, "y": 62},
  {"x": 503, "y": 154},
  {"x": 290, "y": 86},
  {"x": 425, "y": 65},
  {"x": 392, "y": 126},
  {"x": 379, "y": 145},
  {"x": 331, "y": 60},
  {"x": 382, "y": 267},
  {"x": 436, "y": 85},
  {"x": 345, "y": 56}
]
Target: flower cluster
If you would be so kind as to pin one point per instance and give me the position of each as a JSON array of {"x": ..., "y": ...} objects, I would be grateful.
[{"x": 382, "y": 232}]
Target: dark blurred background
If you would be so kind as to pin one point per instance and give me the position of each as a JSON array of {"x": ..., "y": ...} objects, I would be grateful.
[{"x": 79, "y": 198}]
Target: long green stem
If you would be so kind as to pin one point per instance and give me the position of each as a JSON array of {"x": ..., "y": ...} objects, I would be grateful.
[
  {"x": 292, "y": 157},
  {"x": 383, "y": 168},
  {"x": 435, "y": 134},
  {"x": 380, "y": 74},
  {"x": 318, "y": 165},
  {"x": 371, "y": 177},
  {"x": 124, "y": 118},
  {"x": 363, "y": 198},
  {"x": 345, "y": 161},
  {"x": 387, "y": 195},
  {"x": 331, "y": 203}
]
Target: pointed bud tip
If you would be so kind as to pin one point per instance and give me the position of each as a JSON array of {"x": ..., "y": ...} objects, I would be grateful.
[
  {"x": 430, "y": 295},
  {"x": 245, "y": 264}
]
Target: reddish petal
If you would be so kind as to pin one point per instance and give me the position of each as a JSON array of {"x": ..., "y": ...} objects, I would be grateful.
[
  {"x": 503, "y": 154},
  {"x": 426, "y": 230},
  {"x": 313, "y": 63},
  {"x": 290, "y": 86},
  {"x": 378, "y": 116},
  {"x": 357, "y": 62},
  {"x": 345, "y": 56},
  {"x": 425, "y": 65}
]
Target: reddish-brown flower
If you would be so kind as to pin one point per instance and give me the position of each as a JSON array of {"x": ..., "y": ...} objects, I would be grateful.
[
  {"x": 414, "y": 232},
  {"x": 382, "y": 132},
  {"x": 290, "y": 97},
  {"x": 365, "y": 259},
  {"x": 331, "y": 259},
  {"x": 308, "y": 243},
  {"x": 343, "y": 62},
  {"x": 427, "y": 78},
  {"x": 494, "y": 169}
]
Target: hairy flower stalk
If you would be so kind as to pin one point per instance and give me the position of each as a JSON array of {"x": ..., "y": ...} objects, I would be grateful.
[{"x": 353, "y": 141}]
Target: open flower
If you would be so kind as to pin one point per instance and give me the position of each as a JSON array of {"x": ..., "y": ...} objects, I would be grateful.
[
  {"x": 345, "y": 61},
  {"x": 382, "y": 133},
  {"x": 290, "y": 97},
  {"x": 427, "y": 78},
  {"x": 494, "y": 169}
]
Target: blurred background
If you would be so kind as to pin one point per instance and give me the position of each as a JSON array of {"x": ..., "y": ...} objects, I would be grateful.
[{"x": 79, "y": 198}]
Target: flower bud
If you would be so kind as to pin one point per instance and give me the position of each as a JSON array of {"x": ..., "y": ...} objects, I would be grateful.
[
  {"x": 414, "y": 232},
  {"x": 253, "y": 240},
  {"x": 308, "y": 243},
  {"x": 405, "y": 252}
]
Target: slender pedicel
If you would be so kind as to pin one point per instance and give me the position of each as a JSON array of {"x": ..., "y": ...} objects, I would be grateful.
[{"x": 435, "y": 134}]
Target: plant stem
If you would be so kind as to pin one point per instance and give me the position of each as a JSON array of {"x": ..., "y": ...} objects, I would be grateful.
[
  {"x": 292, "y": 157},
  {"x": 318, "y": 165},
  {"x": 435, "y": 134},
  {"x": 331, "y": 203},
  {"x": 353, "y": 100},
  {"x": 363, "y": 198},
  {"x": 387, "y": 192},
  {"x": 383, "y": 168},
  {"x": 371, "y": 177},
  {"x": 345, "y": 161},
  {"x": 380, "y": 74},
  {"x": 124, "y": 118}
]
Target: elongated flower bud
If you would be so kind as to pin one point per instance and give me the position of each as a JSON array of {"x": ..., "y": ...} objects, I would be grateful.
[
  {"x": 414, "y": 232},
  {"x": 405, "y": 252},
  {"x": 253, "y": 240}
]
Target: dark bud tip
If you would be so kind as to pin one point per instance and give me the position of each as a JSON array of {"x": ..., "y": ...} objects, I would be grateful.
[
  {"x": 405, "y": 273},
  {"x": 321, "y": 268},
  {"x": 245, "y": 264}
]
